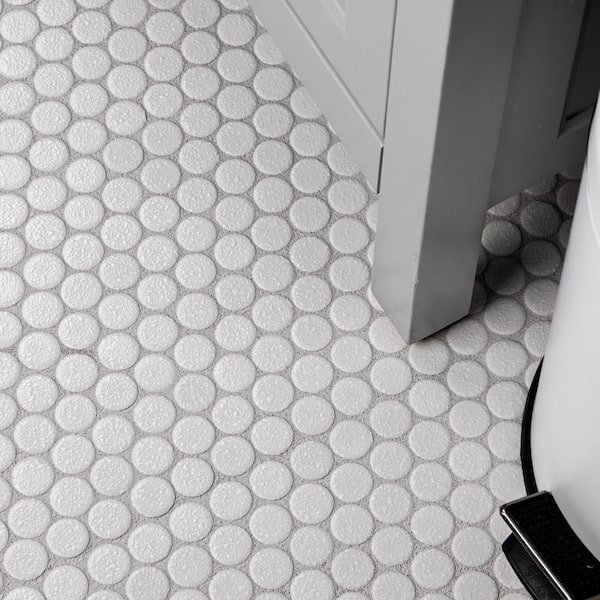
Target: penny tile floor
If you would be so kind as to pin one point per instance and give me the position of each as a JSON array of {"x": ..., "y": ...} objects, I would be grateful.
[{"x": 200, "y": 396}]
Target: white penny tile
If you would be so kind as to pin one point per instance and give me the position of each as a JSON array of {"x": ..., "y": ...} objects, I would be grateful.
[{"x": 200, "y": 398}]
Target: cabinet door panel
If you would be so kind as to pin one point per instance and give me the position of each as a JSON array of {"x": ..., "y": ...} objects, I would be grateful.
[
  {"x": 316, "y": 71},
  {"x": 356, "y": 38}
]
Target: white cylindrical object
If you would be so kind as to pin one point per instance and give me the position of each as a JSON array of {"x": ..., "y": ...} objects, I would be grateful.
[{"x": 565, "y": 428}]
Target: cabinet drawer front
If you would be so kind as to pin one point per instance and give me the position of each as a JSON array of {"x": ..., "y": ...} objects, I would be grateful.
[
  {"x": 330, "y": 91},
  {"x": 356, "y": 39}
]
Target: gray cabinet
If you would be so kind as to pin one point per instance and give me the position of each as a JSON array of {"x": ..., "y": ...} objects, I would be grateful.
[{"x": 448, "y": 106}]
